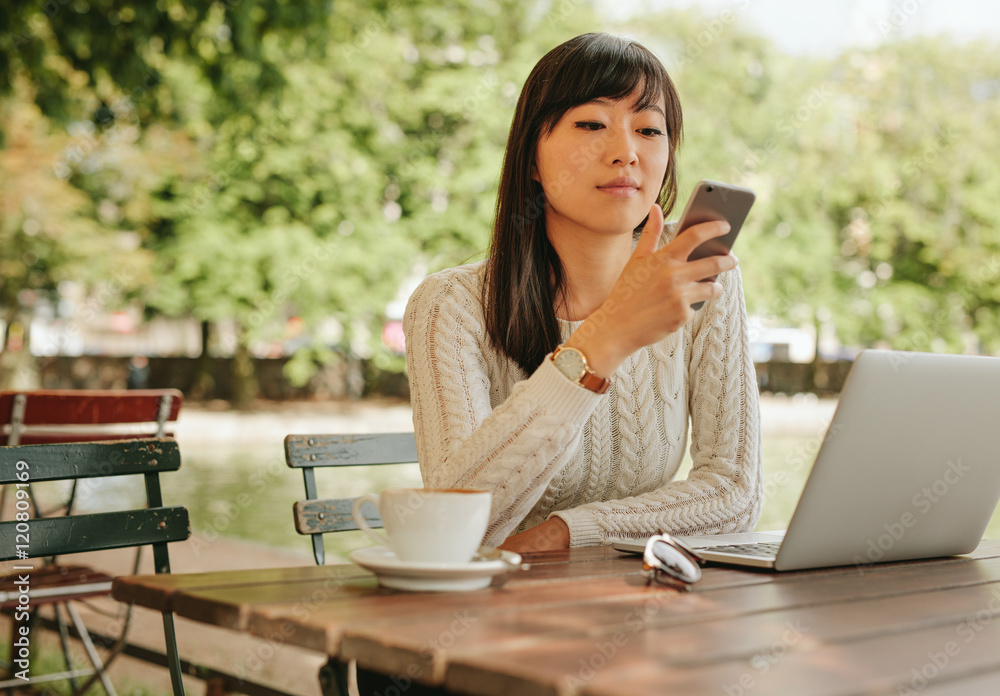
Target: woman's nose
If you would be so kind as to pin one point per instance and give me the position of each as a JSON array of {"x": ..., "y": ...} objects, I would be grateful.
[{"x": 621, "y": 148}]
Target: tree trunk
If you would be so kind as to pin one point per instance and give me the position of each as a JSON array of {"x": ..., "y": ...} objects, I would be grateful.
[
  {"x": 203, "y": 385},
  {"x": 245, "y": 385},
  {"x": 17, "y": 365},
  {"x": 818, "y": 379}
]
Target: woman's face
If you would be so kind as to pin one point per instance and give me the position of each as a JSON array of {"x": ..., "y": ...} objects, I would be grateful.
[{"x": 602, "y": 166}]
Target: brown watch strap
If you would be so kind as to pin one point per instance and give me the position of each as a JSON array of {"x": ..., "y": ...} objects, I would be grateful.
[
  {"x": 594, "y": 383},
  {"x": 587, "y": 379}
]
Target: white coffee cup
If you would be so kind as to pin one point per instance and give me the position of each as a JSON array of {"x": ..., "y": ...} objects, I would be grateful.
[{"x": 429, "y": 525}]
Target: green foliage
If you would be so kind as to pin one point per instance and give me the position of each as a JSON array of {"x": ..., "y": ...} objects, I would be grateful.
[
  {"x": 250, "y": 163},
  {"x": 49, "y": 229},
  {"x": 874, "y": 173}
]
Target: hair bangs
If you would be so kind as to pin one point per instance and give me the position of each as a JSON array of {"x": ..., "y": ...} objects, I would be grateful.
[{"x": 603, "y": 67}]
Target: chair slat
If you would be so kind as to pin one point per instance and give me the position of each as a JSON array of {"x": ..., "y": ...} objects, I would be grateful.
[
  {"x": 368, "y": 449},
  {"x": 52, "y": 584},
  {"x": 308, "y": 452},
  {"x": 88, "y": 460},
  {"x": 330, "y": 515},
  {"x": 53, "y": 536},
  {"x": 53, "y": 436},
  {"x": 62, "y": 406}
]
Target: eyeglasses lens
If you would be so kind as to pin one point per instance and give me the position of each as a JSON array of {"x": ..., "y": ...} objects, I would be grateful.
[{"x": 670, "y": 565}]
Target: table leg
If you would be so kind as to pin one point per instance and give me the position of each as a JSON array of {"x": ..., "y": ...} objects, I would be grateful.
[{"x": 333, "y": 678}]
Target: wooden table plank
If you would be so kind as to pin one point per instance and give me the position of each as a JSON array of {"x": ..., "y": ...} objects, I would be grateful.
[
  {"x": 156, "y": 591},
  {"x": 315, "y": 603},
  {"x": 401, "y": 607},
  {"x": 705, "y": 657},
  {"x": 973, "y": 684},
  {"x": 404, "y": 639},
  {"x": 904, "y": 663},
  {"x": 568, "y": 603},
  {"x": 697, "y": 620}
]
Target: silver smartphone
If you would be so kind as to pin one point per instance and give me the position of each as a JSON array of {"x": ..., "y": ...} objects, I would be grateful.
[{"x": 711, "y": 201}]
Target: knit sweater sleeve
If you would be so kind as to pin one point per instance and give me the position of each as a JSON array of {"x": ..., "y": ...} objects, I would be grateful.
[
  {"x": 723, "y": 492},
  {"x": 513, "y": 448}
]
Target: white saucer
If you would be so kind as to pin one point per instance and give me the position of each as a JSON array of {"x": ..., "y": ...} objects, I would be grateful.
[{"x": 433, "y": 577}]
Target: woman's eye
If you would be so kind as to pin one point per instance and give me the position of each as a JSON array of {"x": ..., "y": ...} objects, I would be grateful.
[
  {"x": 651, "y": 131},
  {"x": 590, "y": 125}
]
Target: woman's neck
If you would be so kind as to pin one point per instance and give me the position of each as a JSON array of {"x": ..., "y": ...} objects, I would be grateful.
[{"x": 591, "y": 266}]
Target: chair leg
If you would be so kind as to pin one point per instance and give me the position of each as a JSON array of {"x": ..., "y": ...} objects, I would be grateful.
[
  {"x": 112, "y": 654},
  {"x": 333, "y": 678},
  {"x": 173, "y": 658},
  {"x": 64, "y": 642},
  {"x": 88, "y": 645}
]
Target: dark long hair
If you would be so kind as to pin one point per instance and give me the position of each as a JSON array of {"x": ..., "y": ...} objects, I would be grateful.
[{"x": 524, "y": 275}]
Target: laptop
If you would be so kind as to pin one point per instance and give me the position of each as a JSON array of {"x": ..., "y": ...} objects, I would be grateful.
[{"x": 909, "y": 468}]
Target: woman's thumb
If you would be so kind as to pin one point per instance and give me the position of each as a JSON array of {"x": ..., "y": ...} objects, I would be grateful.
[{"x": 651, "y": 232}]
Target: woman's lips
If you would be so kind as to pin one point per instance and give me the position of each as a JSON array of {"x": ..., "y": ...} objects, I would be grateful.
[{"x": 622, "y": 187}]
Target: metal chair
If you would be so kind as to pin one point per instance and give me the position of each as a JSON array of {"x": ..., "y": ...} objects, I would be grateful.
[
  {"x": 307, "y": 452},
  {"x": 81, "y": 415},
  {"x": 26, "y": 538},
  {"x": 316, "y": 517}
]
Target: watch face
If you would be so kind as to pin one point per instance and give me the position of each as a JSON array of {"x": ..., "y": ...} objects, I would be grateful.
[{"x": 570, "y": 363}]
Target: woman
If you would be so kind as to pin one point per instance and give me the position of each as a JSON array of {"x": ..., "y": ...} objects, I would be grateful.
[{"x": 561, "y": 373}]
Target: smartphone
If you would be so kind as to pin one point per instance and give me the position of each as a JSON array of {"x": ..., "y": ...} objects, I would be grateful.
[{"x": 711, "y": 201}]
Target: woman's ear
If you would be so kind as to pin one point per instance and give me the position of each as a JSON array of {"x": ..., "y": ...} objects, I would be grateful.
[{"x": 534, "y": 173}]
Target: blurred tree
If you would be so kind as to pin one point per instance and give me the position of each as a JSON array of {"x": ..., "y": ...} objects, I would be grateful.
[
  {"x": 97, "y": 66},
  {"x": 281, "y": 170},
  {"x": 49, "y": 234},
  {"x": 379, "y": 162},
  {"x": 335, "y": 154},
  {"x": 919, "y": 231},
  {"x": 114, "y": 50},
  {"x": 873, "y": 171}
]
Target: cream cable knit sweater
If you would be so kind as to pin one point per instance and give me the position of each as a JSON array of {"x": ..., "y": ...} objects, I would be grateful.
[{"x": 603, "y": 463}]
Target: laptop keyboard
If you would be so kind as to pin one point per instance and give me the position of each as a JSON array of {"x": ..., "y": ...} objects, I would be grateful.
[{"x": 766, "y": 549}]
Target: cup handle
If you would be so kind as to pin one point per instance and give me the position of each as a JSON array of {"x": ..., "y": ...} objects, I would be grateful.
[{"x": 359, "y": 517}]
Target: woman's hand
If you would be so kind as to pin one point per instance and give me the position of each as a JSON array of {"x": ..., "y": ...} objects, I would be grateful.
[
  {"x": 548, "y": 536},
  {"x": 653, "y": 295}
]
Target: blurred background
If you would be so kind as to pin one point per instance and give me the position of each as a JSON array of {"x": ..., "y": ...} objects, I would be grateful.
[{"x": 235, "y": 198}]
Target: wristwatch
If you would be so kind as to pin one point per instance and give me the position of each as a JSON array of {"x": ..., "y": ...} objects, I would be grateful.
[{"x": 573, "y": 363}]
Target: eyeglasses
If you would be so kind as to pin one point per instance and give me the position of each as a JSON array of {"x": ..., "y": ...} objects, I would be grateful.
[{"x": 671, "y": 563}]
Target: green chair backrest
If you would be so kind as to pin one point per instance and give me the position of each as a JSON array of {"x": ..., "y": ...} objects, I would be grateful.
[
  {"x": 26, "y": 537},
  {"x": 307, "y": 452}
]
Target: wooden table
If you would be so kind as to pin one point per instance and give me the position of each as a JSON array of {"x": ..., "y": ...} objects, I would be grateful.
[{"x": 585, "y": 622}]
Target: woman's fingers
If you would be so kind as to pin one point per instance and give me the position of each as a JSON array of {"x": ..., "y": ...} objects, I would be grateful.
[
  {"x": 691, "y": 238},
  {"x": 711, "y": 266},
  {"x": 707, "y": 290}
]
